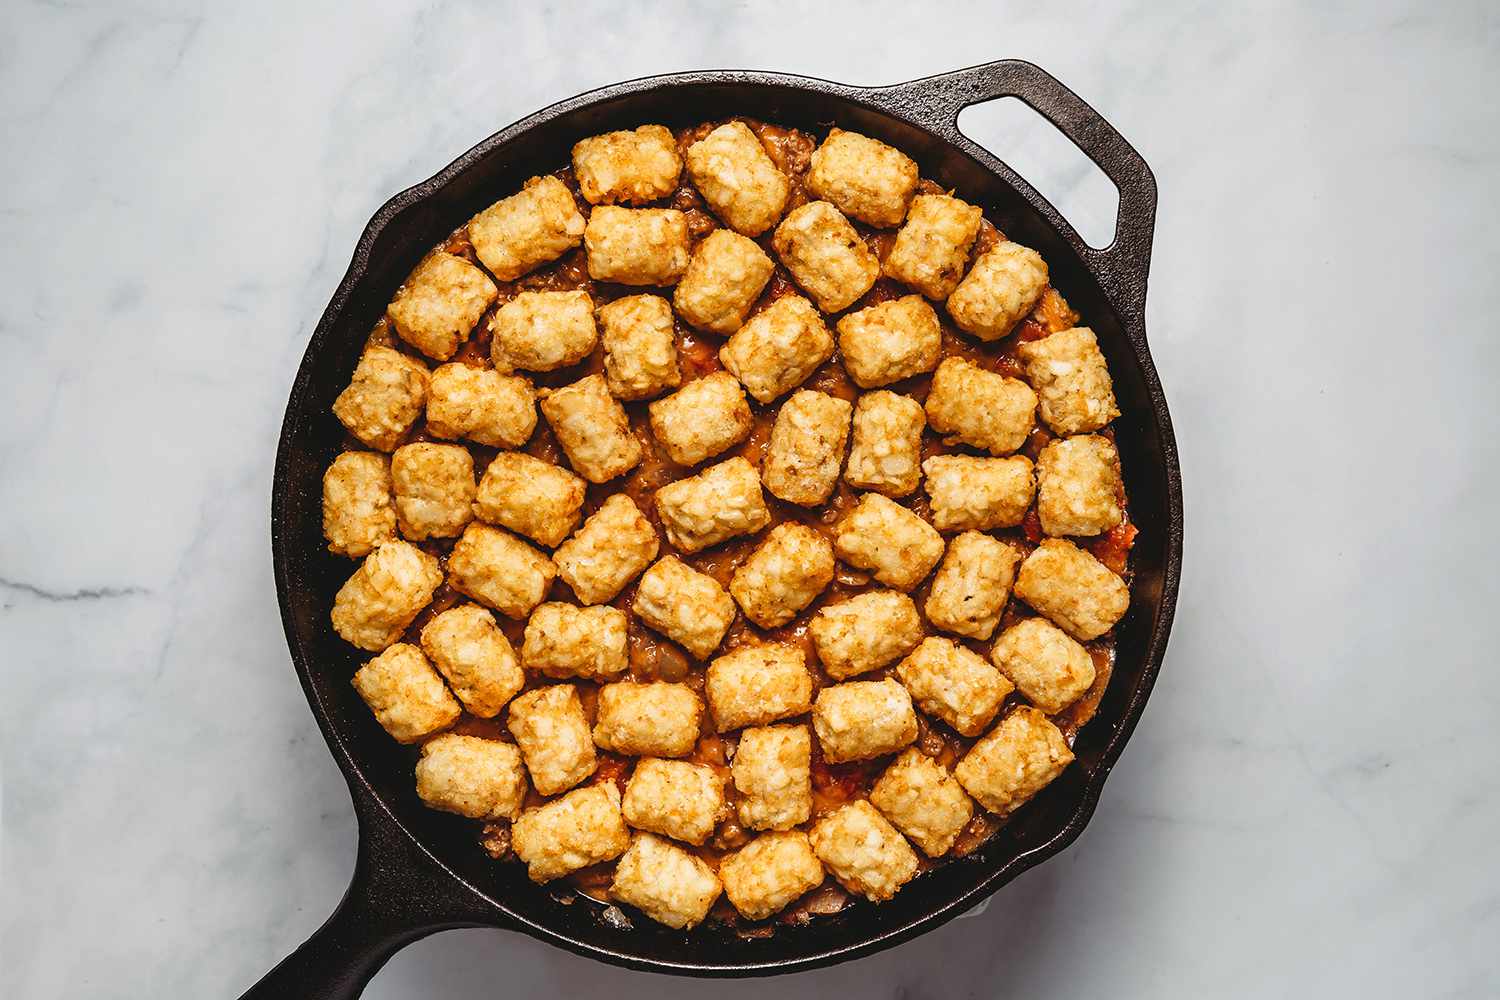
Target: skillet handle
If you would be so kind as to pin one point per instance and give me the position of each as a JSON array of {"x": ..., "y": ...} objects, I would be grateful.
[
  {"x": 397, "y": 895},
  {"x": 934, "y": 102}
]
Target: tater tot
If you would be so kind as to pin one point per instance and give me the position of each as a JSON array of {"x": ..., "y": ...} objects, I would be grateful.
[
  {"x": 632, "y": 166},
  {"x": 657, "y": 719},
  {"x": 675, "y": 798},
  {"x": 741, "y": 184},
  {"x": 864, "y": 177},
  {"x": 773, "y": 774},
  {"x": 475, "y": 657},
  {"x": 1071, "y": 380},
  {"x": 970, "y": 493},
  {"x": 579, "y": 829},
  {"x": 563, "y": 640},
  {"x": 999, "y": 290},
  {"x": 886, "y": 453},
  {"x": 543, "y": 331},
  {"x": 785, "y": 573},
  {"x": 636, "y": 246},
  {"x": 390, "y": 588},
  {"x": 640, "y": 347},
  {"x": 473, "y": 777},
  {"x": 1072, "y": 588},
  {"x": 538, "y": 224},
  {"x": 924, "y": 801},
  {"x": 384, "y": 398},
  {"x": 717, "y": 504},
  {"x": 530, "y": 497},
  {"x": 778, "y": 348},
  {"x": 664, "y": 882},
  {"x": 932, "y": 249},
  {"x": 686, "y": 606},
  {"x": 592, "y": 428},
  {"x": 890, "y": 341},
  {"x": 482, "y": 405},
  {"x": 724, "y": 277},
  {"x": 756, "y": 685},
  {"x": 954, "y": 683},
  {"x": 434, "y": 486},
  {"x": 1019, "y": 757},
  {"x": 1047, "y": 666},
  {"x": 499, "y": 570},
  {"x": 864, "y": 851},
  {"x": 1078, "y": 486},
  {"x": 865, "y": 632},
  {"x": 358, "y": 513},
  {"x": 704, "y": 418},
  {"x": 972, "y": 584},
  {"x": 979, "y": 407},
  {"x": 858, "y": 720},
  {"x": 614, "y": 545},
  {"x": 439, "y": 303},
  {"x": 766, "y": 875},
  {"x": 406, "y": 694},
  {"x": 894, "y": 544},
  {"x": 806, "y": 449},
  {"x": 825, "y": 255},
  {"x": 553, "y": 733}
]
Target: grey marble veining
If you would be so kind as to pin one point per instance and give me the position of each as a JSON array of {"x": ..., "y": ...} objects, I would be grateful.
[{"x": 1310, "y": 803}]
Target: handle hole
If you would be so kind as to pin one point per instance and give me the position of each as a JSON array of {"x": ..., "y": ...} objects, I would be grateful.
[{"x": 1034, "y": 148}]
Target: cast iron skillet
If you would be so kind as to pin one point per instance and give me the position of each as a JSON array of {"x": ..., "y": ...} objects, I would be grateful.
[{"x": 420, "y": 871}]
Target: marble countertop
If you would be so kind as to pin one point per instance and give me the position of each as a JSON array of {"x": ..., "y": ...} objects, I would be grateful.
[{"x": 1310, "y": 805}]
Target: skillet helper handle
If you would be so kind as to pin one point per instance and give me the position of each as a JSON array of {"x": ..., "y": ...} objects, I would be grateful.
[
  {"x": 935, "y": 102},
  {"x": 397, "y": 895}
]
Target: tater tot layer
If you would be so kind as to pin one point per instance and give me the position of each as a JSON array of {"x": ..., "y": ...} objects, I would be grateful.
[{"x": 729, "y": 508}]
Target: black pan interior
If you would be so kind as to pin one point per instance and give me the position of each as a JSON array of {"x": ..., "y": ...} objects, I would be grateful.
[{"x": 308, "y": 576}]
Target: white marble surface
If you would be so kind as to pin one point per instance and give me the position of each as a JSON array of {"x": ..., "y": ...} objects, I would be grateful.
[{"x": 1310, "y": 804}]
